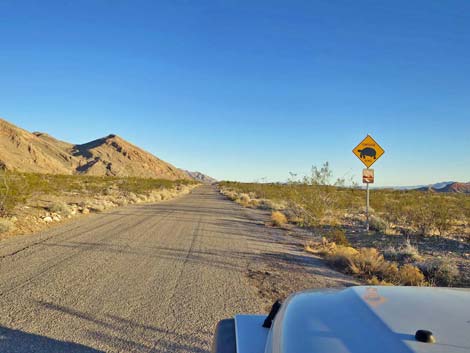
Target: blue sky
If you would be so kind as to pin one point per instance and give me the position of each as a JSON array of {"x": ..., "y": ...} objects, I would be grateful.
[{"x": 245, "y": 90}]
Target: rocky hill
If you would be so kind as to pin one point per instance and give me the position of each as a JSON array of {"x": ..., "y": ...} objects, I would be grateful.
[
  {"x": 453, "y": 187},
  {"x": 38, "y": 152},
  {"x": 462, "y": 188},
  {"x": 198, "y": 176}
]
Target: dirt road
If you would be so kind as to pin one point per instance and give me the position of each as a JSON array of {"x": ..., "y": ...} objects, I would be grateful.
[{"x": 147, "y": 278}]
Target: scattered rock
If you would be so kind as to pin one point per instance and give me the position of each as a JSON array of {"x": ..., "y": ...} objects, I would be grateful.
[{"x": 47, "y": 219}]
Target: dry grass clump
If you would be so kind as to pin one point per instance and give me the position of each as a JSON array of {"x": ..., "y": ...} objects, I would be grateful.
[
  {"x": 410, "y": 275},
  {"x": 166, "y": 194},
  {"x": 338, "y": 236},
  {"x": 278, "y": 218},
  {"x": 271, "y": 205},
  {"x": 378, "y": 224},
  {"x": 97, "y": 207},
  {"x": 406, "y": 252},
  {"x": 232, "y": 195},
  {"x": 6, "y": 225},
  {"x": 440, "y": 272},
  {"x": 366, "y": 263},
  {"x": 251, "y": 199},
  {"x": 60, "y": 207},
  {"x": 370, "y": 262},
  {"x": 243, "y": 199},
  {"x": 322, "y": 248},
  {"x": 374, "y": 281},
  {"x": 342, "y": 257},
  {"x": 254, "y": 203}
]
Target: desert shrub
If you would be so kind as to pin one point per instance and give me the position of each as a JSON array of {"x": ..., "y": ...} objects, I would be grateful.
[
  {"x": 374, "y": 281},
  {"x": 439, "y": 272},
  {"x": 341, "y": 257},
  {"x": 409, "y": 275},
  {"x": 119, "y": 201},
  {"x": 421, "y": 218},
  {"x": 166, "y": 194},
  {"x": 254, "y": 203},
  {"x": 338, "y": 236},
  {"x": 97, "y": 207},
  {"x": 143, "y": 198},
  {"x": 16, "y": 188},
  {"x": 5, "y": 225},
  {"x": 243, "y": 199},
  {"x": 323, "y": 248},
  {"x": 230, "y": 194},
  {"x": 370, "y": 262},
  {"x": 310, "y": 203},
  {"x": 265, "y": 204},
  {"x": 378, "y": 224},
  {"x": 60, "y": 207},
  {"x": 406, "y": 252},
  {"x": 278, "y": 218},
  {"x": 443, "y": 215},
  {"x": 293, "y": 213},
  {"x": 366, "y": 263},
  {"x": 110, "y": 190}
]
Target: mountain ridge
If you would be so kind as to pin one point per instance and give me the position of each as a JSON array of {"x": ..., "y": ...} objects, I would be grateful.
[
  {"x": 444, "y": 186},
  {"x": 201, "y": 177},
  {"x": 39, "y": 152}
]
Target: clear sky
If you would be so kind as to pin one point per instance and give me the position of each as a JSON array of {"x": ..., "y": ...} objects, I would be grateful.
[{"x": 245, "y": 90}]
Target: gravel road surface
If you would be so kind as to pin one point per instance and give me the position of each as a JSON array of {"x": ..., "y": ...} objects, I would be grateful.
[{"x": 147, "y": 278}]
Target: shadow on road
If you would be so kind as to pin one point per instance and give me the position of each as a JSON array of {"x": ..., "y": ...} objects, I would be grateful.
[
  {"x": 122, "y": 335},
  {"x": 15, "y": 341}
]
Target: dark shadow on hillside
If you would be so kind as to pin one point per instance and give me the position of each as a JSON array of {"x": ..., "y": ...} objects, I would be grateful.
[{"x": 22, "y": 342}]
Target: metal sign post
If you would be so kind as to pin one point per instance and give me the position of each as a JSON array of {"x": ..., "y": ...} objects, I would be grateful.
[
  {"x": 368, "y": 151},
  {"x": 367, "y": 207},
  {"x": 367, "y": 178}
]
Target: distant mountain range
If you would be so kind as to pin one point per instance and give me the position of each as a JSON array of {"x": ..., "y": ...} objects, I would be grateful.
[
  {"x": 203, "y": 178},
  {"x": 445, "y": 186},
  {"x": 39, "y": 152}
]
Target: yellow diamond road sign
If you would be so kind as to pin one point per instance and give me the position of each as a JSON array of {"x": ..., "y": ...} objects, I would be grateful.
[{"x": 368, "y": 151}]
